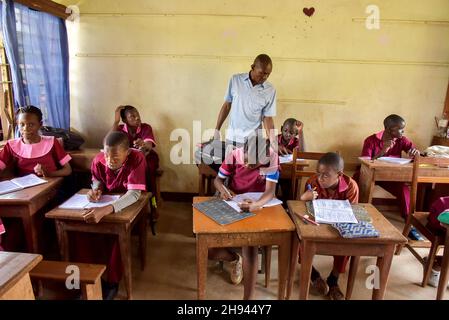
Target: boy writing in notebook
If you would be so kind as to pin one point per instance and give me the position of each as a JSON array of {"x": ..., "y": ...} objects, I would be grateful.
[
  {"x": 391, "y": 142},
  {"x": 118, "y": 169},
  {"x": 331, "y": 183},
  {"x": 253, "y": 168}
]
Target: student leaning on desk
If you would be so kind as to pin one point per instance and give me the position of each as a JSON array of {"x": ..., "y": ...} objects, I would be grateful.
[
  {"x": 249, "y": 169},
  {"x": 331, "y": 183},
  {"x": 391, "y": 142},
  {"x": 119, "y": 169}
]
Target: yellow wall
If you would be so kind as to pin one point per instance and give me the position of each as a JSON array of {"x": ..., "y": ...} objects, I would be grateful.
[{"x": 173, "y": 59}]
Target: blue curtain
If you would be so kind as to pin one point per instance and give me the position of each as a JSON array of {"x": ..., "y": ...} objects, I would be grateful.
[{"x": 37, "y": 49}]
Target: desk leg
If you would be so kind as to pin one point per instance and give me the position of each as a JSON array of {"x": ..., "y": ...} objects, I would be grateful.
[
  {"x": 354, "y": 265},
  {"x": 307, "y": 253},
  {"x": 293, "y": 262},
  {"x": 444, "y": 268},
  {"x": 284, "y": 263},
  {"x": 143, "y": 225},
  {"x": 384, "y": 264},
  {"x": 366, "y": 184},
  {"x": 201, "y": 265},
  {"x": 30, "y": 233},
  {"x": 201, "y": 184},
  {"x": 125, "y": 252},
  {"x": 63, "y": 240}
]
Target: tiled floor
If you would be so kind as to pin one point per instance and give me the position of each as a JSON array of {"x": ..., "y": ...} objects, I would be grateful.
[{"x": 171, "y": 267}]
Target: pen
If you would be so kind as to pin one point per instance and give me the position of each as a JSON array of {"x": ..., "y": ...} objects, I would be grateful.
[
  {"x": 227, "y": 191},
  {"x": 306, "y": 219}
]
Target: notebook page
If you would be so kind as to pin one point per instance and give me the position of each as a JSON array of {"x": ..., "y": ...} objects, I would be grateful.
[
  {"x": 333, "y": 211},
  {"x": 30, "y": 180}
]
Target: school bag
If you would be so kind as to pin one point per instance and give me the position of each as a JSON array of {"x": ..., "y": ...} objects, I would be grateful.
[{"x": 71, "y": 140}]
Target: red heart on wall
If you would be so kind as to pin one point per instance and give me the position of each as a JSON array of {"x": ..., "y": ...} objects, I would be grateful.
[{"x": 308, "y": 11}]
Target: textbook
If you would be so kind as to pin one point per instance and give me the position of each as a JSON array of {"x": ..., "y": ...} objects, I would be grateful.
[
  {"x": 16, "y": 184},
  {"x": 80, "y": 201}
]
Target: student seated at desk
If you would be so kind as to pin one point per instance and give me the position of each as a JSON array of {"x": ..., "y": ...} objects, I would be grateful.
[
  {"x": 253, "y": 168},
  {"x": 31, "y": 153},
  {"x": 391, "y": 142},
  {"x": 331, "y": 183},
  {"x": 291, "y": 137},
  {"x": 119, "y": 169},
  {"x": 437, "y": 208},
  {"x": 140, "y": 136}
]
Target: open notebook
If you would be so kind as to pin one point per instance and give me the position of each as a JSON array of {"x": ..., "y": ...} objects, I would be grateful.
[
  {"x": 333, "y": 211},
  {"x": 15, "y": 184},
  {"x": 395, "y": 160},
  {"x": 234, "y": 203},
  {"x": 80, "y": 201},
  {"x": 287, "y": 159}
]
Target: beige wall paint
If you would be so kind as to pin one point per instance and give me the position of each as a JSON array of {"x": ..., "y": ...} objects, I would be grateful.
[{"x": 173, "y": 60}]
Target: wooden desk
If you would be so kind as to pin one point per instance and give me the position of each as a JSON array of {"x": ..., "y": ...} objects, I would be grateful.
[
  {"x": 15, "y": 283},
  {"x": 119, "y": 224},
  {"x": 24, "y": 204},
  {"x": 82, "y": 159},
  {"x": 377, "y": 170},
  {"x": 444, "y": 266},
  {"x": 271, "y": 226},
  {"x": 325, "y": 240}
]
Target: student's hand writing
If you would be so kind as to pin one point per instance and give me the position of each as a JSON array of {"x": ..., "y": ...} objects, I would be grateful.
[
  {"x": 309, "y": 195},
  {"x": 117, "y": 113},
  {"x": 41, "y": 171},
  {"x": 226, "y": 196},
  {"x": 95, "y": 215},
  {"x": 249, "y": 205},
  {"x": 413, "y": 152},
  {"x": 94, "y": 195}
]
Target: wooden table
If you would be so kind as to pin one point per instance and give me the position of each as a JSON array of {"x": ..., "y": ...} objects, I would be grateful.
[
  {"x": 119, "y": 224},
  {"x": 25, "y": 204},
  {"x": 270, "y": 226},
  {"x": 377, "y": 170},
  {"x": 444, "y": 266},
  {"x": 15, "y": 283},
  {"x": 325, "y": 240}
]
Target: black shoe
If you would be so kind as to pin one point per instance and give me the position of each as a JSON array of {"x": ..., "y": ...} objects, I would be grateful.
[{"x": 109, "y": 290}]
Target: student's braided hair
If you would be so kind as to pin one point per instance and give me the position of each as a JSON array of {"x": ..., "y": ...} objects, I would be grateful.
[
  {"x": 126, "y": 109},
  {"x": 32, "y": 110}
]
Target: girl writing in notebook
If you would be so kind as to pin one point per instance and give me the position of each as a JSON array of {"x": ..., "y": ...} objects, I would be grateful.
[{"x": 253, "y": 168}]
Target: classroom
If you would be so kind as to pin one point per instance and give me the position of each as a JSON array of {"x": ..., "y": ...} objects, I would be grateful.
[{"x": 224, "y": 150}]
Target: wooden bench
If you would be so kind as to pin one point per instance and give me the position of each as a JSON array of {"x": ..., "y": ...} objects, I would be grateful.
[{"x": 90, "y": 276}]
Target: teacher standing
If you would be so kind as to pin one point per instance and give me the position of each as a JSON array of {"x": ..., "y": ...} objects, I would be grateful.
[{"x": 251, "y": 101}]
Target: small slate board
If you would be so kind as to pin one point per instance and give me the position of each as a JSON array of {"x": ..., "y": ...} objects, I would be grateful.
[{"x": 221, "y": 212}]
